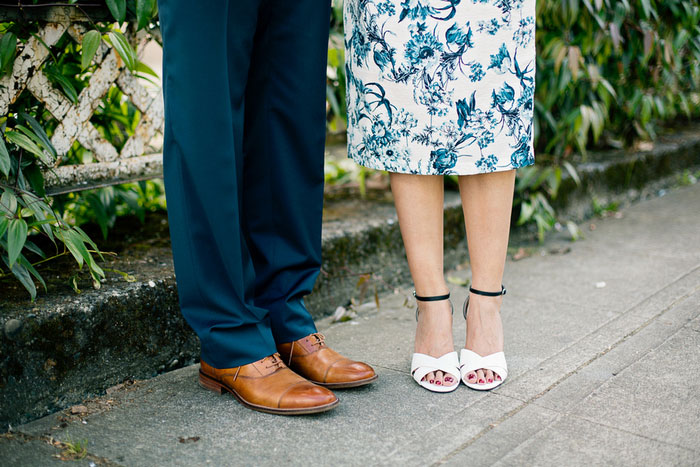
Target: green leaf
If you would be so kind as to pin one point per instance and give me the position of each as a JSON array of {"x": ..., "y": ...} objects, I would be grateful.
[
  {"x": 144, "y": 9},
  {"x": 16, "y": 237},
  {"x": 22, "y": 275},
  {"x": 5, "y": 163},
  {"x": 526, "y": 212},
  {"x": 42, "y": 222},
  {"x": 77, "y": 239},
  {"x": 74, "y": 242},
  {"x": 27, "y": 144},
  {"x": 45, "y": 217},
  {"x": 143, "y": 68},
  {"x": 29, "y": 134},
  {"x": 88, "y": 240},
  {"x": 8, "y": 50},
  {"x": 118, "y": 9},
  {"x": 36, "y": 179},
  {"x": 46, "y": 156},
  {"x": 74, "y": 245},
  {"x": 526, "y": 177},
  {"x": 67, "y": 87},
  {"x": 91, "y": 42},
  {"x": 124, "y": 49},
  {"x": 8, "y": 203},
  {"x": 31, "y": 246},
  {"x": 4, "y": 223},
  {"x": 553, "y": 182},
  {"x": 24, "y": 262},
  {"x": 40, "y": 133},
  {"x": 572, "y": 172}
]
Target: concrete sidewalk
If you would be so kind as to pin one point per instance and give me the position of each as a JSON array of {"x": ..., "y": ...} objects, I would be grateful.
[{"x": 598, "y": 375}]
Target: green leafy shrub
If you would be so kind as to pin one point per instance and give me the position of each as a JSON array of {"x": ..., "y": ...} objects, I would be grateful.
[
  {"x": 26, "y": 212},
  {"x": 610, "y": 71}
]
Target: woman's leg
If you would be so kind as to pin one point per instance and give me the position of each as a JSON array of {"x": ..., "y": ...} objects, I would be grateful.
[
  {"x": 487, "y": 200},
  {"x": 419, "y": 204}
]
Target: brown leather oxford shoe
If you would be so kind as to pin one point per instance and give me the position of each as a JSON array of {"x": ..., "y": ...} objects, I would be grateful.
[
  {"x": 314, "y": 360},
  {"x": 268, "y": 385}
]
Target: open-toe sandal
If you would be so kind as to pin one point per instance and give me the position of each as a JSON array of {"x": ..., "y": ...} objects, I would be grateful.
[
  {"x": 422, "y": 364},
  {"x": 470, "y": 361}
]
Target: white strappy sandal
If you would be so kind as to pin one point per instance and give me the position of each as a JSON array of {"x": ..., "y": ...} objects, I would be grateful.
[
  {"x": 471, "y": 361},
  {"x": 422, "y": 364}
]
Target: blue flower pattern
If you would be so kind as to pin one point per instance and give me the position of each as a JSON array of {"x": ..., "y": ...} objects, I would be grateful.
[{"x": 440, "y": 86}]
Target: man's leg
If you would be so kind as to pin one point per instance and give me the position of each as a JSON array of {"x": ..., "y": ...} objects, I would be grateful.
[
  {"x": 283, "y": 183},
  {"x": 207, "y": 52},
  {"x": 284, "y": 147}
]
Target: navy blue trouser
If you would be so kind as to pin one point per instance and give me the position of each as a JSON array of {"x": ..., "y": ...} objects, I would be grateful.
[{"x": 244, "y": 85}]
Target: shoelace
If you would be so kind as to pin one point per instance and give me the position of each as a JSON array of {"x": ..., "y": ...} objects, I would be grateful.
[
  {"x": 320, "y": 342},
  {"x": 274, "y": 362},
  {"x": 320, "y": 339}
]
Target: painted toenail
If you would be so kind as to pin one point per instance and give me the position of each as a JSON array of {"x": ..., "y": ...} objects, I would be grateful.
[
  {"x": 438, "y": 383},
  {"x": 490, "y": 380},
  {"x": 481, "y": 381},
  {"x": 432, "y": 381}
]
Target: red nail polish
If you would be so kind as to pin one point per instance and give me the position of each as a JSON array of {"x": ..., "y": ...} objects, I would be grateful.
[
  {"x": 490, "y": 380},
  {"x": 481, "y": 381},
  {"x": 431, "y": 381},
  {"x": 438, "y": 383}
]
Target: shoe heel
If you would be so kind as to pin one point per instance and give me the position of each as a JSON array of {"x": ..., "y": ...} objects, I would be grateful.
[{"x": 210, "y": 384}]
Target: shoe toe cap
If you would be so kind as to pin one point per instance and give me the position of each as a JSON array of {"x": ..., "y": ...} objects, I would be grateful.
[
  {"x": 348, "y": 371},
  {"x": 307, "y": 395}
]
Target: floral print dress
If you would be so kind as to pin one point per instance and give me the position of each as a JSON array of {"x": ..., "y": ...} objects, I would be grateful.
[{"x": 440, "y": 86}]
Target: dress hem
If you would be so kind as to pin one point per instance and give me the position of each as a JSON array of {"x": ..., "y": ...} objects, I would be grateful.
[{"x": 408, "y": 172}]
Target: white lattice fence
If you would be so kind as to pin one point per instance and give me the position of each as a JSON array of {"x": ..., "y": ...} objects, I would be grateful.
[{"x": 138, "y": 158}]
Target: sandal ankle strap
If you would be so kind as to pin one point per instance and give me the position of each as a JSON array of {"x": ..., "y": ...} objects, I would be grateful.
[
  {"x": 434, "y": 298},
  {"x": 481, "y": 292},
  {"x": 488, "y": 294}
]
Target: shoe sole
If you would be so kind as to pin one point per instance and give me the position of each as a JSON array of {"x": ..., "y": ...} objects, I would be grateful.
[
  {"x": 351, "y": 384},
  {"x": 207, "y": 382},
  {"x": 483, "y": 387}
]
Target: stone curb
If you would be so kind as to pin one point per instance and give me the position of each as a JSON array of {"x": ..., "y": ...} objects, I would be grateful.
[
  {"x": 72, "y": 347},
  {"x": 621, "y": 175}
]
